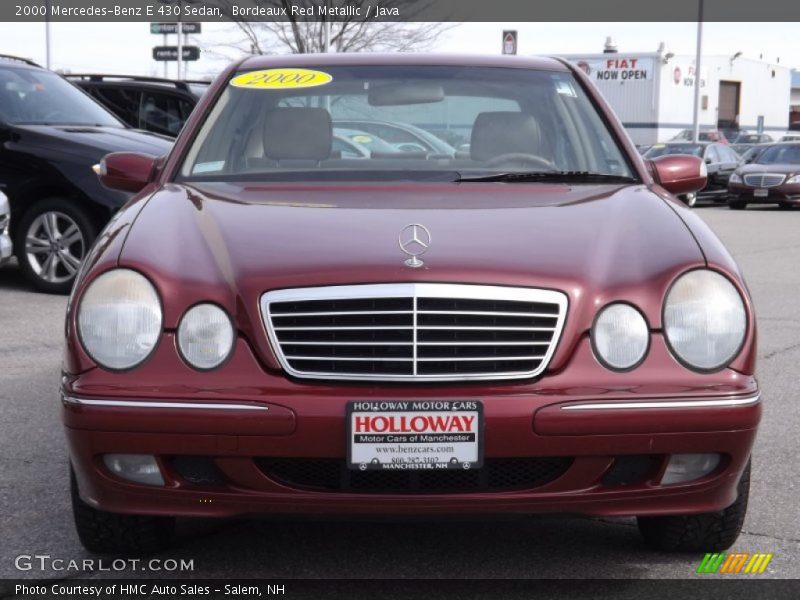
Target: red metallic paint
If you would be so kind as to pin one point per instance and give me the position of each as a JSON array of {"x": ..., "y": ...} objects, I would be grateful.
[
  {"x": 679, "y": 174},
  {"x": 127, "y": 171},
  {"x": 229, "y": 243}
]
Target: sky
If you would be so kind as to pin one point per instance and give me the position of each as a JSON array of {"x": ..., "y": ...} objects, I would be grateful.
[{"x": 125, "y": 48}]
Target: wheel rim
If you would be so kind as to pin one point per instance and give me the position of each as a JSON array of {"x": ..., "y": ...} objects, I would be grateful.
[{"x": 54, "y": 247}]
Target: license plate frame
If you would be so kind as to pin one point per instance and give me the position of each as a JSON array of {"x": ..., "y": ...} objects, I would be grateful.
[{"x": 466, "y": 455}]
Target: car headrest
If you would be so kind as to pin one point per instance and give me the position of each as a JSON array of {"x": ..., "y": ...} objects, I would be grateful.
[
  {"x": 298, "y": 133},
  {"x": 497, "y": 133}
]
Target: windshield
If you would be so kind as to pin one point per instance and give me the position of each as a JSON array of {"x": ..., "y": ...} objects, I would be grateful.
[
  {"x": 34, "y": 97},
  {"x": 662, "y": 150},
  {"x": 400, "y": 122},
  {"x": 780, "y": 155}
]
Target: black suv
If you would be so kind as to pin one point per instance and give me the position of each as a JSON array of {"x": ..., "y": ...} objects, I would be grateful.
[
  {"x": 151, "y": 103},
  {"x": 51, "y": 134}
]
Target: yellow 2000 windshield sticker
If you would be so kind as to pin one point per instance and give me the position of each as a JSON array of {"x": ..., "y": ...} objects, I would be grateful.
[{"x": 277, "y": 79}]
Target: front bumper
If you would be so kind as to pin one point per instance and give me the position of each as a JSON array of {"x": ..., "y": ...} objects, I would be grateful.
[
  {"x": 782, "y": 194},
  {"x": 236, "y": 424}
]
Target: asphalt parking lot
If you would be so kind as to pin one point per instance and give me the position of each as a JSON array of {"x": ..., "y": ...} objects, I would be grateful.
[{"x": 36, "y": 517}]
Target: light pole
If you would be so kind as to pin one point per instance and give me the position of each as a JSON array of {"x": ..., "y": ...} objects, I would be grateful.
[
  {"x": 697, "y": 59},
  {"x": 326, "y": 24},
  {"x": 47, "y": 35}
]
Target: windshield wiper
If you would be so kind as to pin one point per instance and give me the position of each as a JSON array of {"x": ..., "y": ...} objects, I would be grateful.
[{"x": 554, "y": 176}]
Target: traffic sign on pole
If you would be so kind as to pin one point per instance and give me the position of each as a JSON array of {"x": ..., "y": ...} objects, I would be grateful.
[
  {"x": 171, "y": 53},
  {"x": 160, "y": 28},
  {"x": 510, "y": 41}
]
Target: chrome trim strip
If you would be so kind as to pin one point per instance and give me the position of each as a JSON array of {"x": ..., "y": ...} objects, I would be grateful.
[
  {"x": 723, "y": 402},
  {"x": 144, "y": 404},
  {"x": 414, "y": 291}
]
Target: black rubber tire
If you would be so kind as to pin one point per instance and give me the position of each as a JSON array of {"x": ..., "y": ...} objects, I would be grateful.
[
  {"x": 110, "y": 533},
  {"x": 785, "y": 206},
  {"x": 737, "y": 204},
  {"x": 707, "y": 532},
  {"x": 69, "y": 207}
]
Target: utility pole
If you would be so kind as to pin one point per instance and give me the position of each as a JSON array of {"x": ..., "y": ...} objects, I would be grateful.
[
  {"x": 47, "y": 35},
  {"x": 326, "y": 24},
  {"x": 697, "y": 59}
]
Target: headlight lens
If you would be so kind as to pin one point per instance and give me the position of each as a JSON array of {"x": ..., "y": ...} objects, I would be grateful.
[
  {"x": 205, "y": 336},
  {"x": 704, "y": 320},
  {"x": 119, "y": 319},
  {"x": 794, "y": 179},
  {"x": 735, "y": 178},
  {"x": 620, "y": 336}
]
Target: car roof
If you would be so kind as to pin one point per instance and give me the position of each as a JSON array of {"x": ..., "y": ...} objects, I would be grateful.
[
  {"x": 19, "y": 60},
  {"x": 687, "y": 143},
  {"x": 156, "y": 82},
  {"x": 416, "y": 59}
]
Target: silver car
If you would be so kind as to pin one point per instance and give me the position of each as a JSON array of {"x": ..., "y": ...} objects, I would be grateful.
[{"x": 5, "y": 240}]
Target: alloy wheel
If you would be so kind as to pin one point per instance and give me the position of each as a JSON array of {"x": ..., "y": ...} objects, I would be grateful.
[{"x": 54, "y": 246}]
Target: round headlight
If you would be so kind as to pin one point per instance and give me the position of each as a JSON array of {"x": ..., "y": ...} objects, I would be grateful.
[
  {"x": 620, "y": 336},
  {"x": 704, "y": 320},
  {"x": 205, "y": 336},
  {"x": 119, "y": 319}
]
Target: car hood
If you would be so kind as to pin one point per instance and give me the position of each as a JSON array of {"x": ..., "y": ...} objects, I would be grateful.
[
  {"x": 757, "y": 168},
  {"x": 228, "y": 243},
  {"x": 93, "y": 143}
]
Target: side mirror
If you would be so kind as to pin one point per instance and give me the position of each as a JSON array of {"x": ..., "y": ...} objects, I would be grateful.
[
  {"x": 708, "y": 161},
  {"x": 680, "y": 173},
  {"x": 126, "y": 171}
]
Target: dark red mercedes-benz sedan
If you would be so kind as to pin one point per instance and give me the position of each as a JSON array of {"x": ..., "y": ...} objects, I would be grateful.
[{"x": 527, "y": 322}]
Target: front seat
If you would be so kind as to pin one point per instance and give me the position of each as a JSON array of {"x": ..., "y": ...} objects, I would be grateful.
[
  {"x": 498, "y": 133},
  {"x": 297, "y": 136}
]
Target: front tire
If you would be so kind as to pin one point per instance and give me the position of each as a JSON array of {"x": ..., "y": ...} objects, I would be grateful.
[
  {"x": 52, "y": 240},
  {"x": 110, "y": 533},
  {"x": 708, "y": 532},
  {"x": 737, "y": 204}
]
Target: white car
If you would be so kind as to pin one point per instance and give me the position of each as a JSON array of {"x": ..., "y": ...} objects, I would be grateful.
[{"x": 5, "y": 240}]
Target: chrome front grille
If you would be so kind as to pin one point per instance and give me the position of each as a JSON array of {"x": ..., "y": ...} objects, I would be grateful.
[
  {"x": 414, "y": 331},
  {"x": 764, "y": 180}
]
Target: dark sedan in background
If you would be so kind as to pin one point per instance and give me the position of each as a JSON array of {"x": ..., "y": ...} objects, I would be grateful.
[
  {"x": 772, "y": 178},
  {"x": 720, "y": 163}
]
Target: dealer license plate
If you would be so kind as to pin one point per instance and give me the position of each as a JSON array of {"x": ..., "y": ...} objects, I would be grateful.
[
  {"x": 760, "y": 193},
  {"x": 414, "y": 434}
]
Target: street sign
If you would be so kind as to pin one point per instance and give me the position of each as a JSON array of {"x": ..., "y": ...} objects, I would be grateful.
[
  {"x": 164, "y": 28},
  {"x": 171, "y": 53},
  {"x": 510, "y": 41}
]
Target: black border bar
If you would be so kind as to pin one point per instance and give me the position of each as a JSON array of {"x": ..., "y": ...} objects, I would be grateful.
[{"x": 400, "y": 10}]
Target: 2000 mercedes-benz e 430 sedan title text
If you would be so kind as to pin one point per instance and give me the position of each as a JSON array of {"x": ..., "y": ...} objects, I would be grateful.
[{"x": 527, "y": 322}]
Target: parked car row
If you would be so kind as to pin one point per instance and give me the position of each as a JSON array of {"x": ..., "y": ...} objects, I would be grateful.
[{"x": 741, "y": 173}]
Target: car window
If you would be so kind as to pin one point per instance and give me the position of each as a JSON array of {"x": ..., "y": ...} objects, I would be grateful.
[
  {"x": 788, "y": 154},
  {"x": 39, "y": 97},
  {"x": 664, "y": 149},
  {"x": 163, "y": 113},
  {"x": 500, "y": 120},
  {"x": 123, "y": 102}
]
